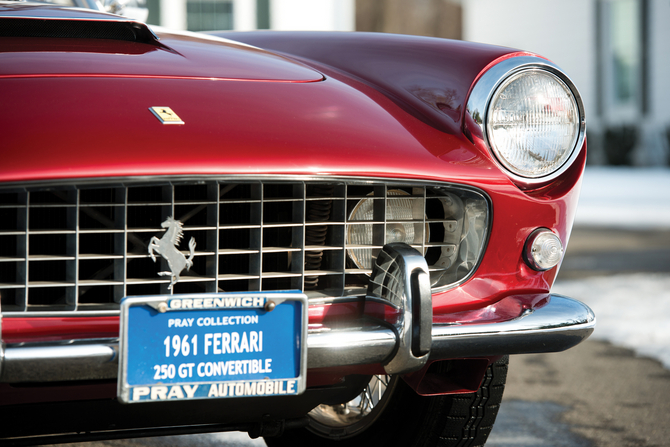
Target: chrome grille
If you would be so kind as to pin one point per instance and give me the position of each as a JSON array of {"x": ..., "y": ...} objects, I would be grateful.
[{"x": 84, "y": 247}]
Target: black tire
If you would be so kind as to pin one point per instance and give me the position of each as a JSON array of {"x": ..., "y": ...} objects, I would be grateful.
[{"x": 407, "y": 419}]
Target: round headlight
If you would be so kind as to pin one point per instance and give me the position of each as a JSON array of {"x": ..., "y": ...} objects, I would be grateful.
[{"x": 533, "y": 123}]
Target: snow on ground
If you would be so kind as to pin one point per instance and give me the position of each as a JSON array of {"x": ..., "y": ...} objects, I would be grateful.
[
  {"x": 632, "y": 311},
  {"x": 625, "y": 197}
]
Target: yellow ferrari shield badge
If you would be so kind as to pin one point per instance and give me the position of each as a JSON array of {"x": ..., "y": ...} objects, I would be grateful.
[{"x": 166, "y": 115}]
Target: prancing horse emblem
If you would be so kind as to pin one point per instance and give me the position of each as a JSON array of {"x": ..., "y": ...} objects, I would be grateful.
[{"x": 167, "y": 248}]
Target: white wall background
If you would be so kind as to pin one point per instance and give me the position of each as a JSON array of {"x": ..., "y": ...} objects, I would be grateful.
[
  {"x": 315, "y": 15},
  {"x": 173, "y": 14},
  {"x": 244, "y": 15},
  {"x": 560, "y": 30},
  {"x": 659, "y": 65}
]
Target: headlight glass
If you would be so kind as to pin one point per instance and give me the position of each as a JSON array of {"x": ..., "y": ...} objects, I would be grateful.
[{"x": 533, "y": 123}]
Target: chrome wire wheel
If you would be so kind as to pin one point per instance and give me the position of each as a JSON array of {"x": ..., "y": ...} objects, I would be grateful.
[
  {"x": 390, "y": 412},
  {"x": 351, "y": 418}
]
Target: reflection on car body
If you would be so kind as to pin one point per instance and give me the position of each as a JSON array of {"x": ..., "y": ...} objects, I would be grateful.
[{"x": 378, "y": 219}]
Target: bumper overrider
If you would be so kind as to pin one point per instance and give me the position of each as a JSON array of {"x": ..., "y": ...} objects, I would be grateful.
[{"x": 399, "y": 279}]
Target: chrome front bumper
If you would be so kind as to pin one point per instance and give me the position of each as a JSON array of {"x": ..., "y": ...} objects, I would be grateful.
[
  {"x": 400, "y": 279},
  {"x": 559, "y": 325}
]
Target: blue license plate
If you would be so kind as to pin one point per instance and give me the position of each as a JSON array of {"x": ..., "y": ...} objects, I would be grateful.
[{"x": 206, "y": 346}]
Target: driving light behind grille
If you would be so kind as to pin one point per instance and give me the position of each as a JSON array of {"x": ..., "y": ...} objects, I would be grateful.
[
  {"x": 401, "y": 226},
  {"x": 449, "y": 229}
]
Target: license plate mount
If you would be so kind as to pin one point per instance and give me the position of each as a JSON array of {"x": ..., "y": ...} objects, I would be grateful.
[{"x": 207, "y": 346}]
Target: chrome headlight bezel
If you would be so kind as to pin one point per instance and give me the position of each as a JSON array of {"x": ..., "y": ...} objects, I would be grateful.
[{"x": 481, "y": 97}]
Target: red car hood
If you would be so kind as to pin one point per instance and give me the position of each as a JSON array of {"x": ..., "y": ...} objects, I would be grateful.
[
  {"x": 90, "y": 127},
  {"x": 80, "y": 109}
]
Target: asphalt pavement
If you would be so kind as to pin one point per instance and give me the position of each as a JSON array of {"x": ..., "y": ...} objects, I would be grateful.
[
  {"x": 595, "y": 395},
  {"x": 602, "y": 251}
]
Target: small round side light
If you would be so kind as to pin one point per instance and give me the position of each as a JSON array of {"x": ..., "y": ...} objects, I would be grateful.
[{"x": 543, "y": 250}]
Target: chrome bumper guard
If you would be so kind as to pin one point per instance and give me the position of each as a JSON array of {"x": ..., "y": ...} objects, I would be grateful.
[{"x": 399, "y": 279}]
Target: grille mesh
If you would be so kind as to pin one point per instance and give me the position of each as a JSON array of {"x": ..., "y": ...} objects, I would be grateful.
[{"x": 82, "y": 248}]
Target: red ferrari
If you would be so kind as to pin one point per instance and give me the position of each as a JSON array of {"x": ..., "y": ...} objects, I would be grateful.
[{"x": 325, "y": 238}]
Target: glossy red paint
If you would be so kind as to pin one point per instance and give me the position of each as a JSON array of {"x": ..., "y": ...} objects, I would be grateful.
[
  {"x": 292, "y": 122},
  {"x": 506, "y": 309},
  {"x": 349, "y": 124},
  {"x": 465, "y": 376},
  {"x": 334, "y": 313},
  {"x": 427, "y": 77},
  {"x": 399, "y": 114},
  {"x": 34, "y": 329},
  {"x": 231, "y": 128}
]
